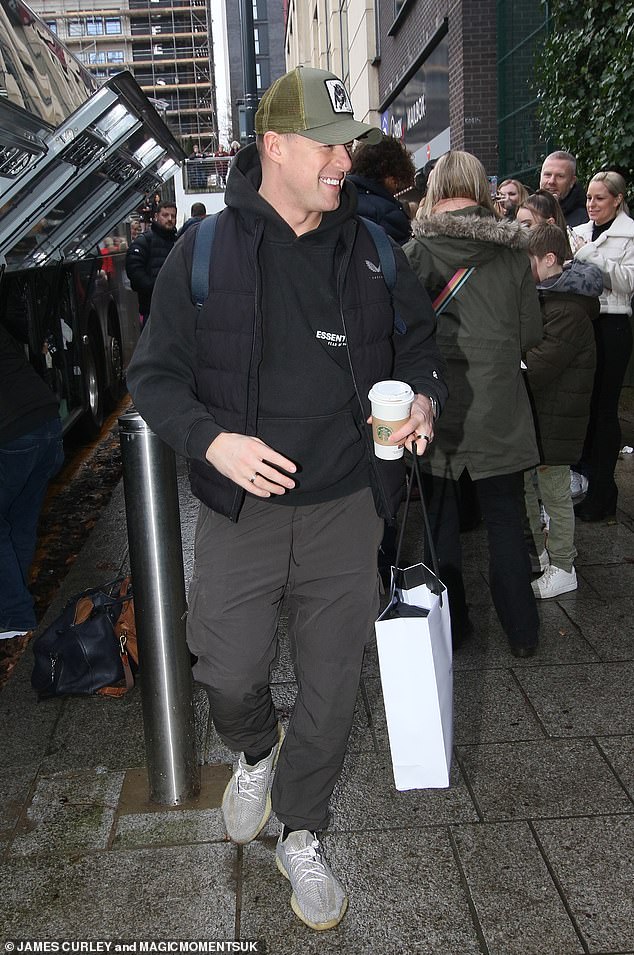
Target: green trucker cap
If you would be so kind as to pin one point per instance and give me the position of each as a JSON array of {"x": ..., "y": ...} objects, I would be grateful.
[{"x": 312, "y": 103}]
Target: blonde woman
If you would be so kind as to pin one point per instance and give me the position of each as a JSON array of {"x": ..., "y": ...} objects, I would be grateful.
[
  {"x": 511, "y": 194},
  {"x": 486, "y": 428},
  {"x": 607, "y": 240}
]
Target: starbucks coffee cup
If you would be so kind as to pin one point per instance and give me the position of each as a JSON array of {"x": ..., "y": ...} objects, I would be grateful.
[{"x": 391, "y": 406}]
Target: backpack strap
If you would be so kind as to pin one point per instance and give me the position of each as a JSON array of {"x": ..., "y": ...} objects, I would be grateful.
[
  {"x": 385, "y": 250},
  {"x": 387, "y": 259},
  {"x": 203, "y": 245}
]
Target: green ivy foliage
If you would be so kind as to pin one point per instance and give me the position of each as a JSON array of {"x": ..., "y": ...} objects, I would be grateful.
[{"x": 585, "y": 83}]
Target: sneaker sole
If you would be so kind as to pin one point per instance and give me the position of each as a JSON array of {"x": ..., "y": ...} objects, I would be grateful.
[
  {"x": 267, "y": 808},
  {"x": 564, "y": 590},
  {"x": 317, "y": 926}
]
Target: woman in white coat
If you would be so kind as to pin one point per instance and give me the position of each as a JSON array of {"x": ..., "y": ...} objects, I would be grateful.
[{"x": 607, "y": 240}]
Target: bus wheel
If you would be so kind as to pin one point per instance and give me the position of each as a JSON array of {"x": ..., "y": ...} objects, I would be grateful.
[{"x": 93, "y": 387}]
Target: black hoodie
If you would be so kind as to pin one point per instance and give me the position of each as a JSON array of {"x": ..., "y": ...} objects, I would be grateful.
[{"x": 273, "y": 349}]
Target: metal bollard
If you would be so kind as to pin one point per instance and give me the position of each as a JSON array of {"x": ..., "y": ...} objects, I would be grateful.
[{"x": 156, "y": 563}]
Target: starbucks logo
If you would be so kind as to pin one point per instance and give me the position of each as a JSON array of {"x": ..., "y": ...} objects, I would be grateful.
[{"x": 383, "y": 432}]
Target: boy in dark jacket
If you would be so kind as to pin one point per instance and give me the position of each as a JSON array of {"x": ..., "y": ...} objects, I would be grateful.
[{"x": 560, "y": 373}]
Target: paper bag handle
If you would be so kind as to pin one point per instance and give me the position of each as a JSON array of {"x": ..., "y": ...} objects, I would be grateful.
[{"x": 415, "y": 472}]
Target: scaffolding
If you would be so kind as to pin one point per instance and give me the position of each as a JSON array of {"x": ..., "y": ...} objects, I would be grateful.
[{"x": 166, "y": 45}]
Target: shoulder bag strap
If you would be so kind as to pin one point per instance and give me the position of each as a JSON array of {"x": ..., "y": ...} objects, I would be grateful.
[{"x": 453, "y": 286}]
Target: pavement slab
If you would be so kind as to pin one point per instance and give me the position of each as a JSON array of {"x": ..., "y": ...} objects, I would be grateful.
[
  {"x": 69, "y": 813},
  {"x": 608, "y": 628},
  {"x": 540, "y": 779},
  {"x": 159, "y": 893},
  {"x": 171, "y": 828},
  {"x": 582, "y": 700},
  {"x": 517, "y": 902},
  {"x": 593, "y": 861},
  {"x": 365, "y": 798},
  {"x": 84, "y": 719}
]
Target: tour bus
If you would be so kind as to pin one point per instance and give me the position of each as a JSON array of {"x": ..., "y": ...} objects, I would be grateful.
[{"x": 76, "y": 159}]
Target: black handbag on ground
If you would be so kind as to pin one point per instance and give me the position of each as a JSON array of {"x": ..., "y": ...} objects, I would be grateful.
[{"x": 91, "y": 647}]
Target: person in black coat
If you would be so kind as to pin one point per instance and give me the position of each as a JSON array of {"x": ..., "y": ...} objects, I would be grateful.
[
  {"x": 147, "y": 253},
  {"x": 378, "y": 173}
]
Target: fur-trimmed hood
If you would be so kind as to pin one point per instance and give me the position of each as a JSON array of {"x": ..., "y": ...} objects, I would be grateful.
[{"x": 472, "y": 223}]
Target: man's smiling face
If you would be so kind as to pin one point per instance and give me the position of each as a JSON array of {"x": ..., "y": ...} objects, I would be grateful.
[{"x": 314, "y": 174}]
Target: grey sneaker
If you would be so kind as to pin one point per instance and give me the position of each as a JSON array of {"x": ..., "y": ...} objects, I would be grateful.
[
  {"x": 246, "y": 803},
  {"x": 318, "y": 898}
]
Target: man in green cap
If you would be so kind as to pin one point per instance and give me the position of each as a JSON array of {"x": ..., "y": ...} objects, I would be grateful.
[{"x": 265, "y": 389}]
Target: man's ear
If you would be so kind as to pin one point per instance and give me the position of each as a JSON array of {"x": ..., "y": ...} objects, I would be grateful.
[{"x": 272, "y": 146}]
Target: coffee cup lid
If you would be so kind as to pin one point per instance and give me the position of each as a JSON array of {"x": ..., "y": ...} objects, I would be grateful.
[{"x": 391, "y": 391}]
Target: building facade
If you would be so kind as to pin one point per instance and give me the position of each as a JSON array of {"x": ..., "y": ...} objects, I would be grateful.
[
  {"x": 166, "y": 45},
  {"x": 270, "y": 62},
  {"x": 435, "y": 73}
]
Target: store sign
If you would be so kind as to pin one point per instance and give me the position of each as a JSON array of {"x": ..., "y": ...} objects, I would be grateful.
[{"x": 420, "y": 112}]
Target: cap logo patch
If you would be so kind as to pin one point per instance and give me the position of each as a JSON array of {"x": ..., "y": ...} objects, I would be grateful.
[{"x": 339, "y": 98}]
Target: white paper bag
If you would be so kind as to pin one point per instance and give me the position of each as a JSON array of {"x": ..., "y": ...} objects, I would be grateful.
[{"x": 414, "y": 642}]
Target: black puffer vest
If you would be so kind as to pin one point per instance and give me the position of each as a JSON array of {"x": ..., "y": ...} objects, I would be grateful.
[{"x": 229, "y": 348}]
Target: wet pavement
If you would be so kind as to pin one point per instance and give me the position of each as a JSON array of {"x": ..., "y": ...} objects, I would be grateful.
[{"x": 529, "y": 852}]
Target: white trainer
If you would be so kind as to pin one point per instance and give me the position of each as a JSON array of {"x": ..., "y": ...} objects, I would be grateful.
[
  {"x": 553, "y": 582},
  {"x": 578, "y": 484},
  {"x": 318, "y": 898},
  {"x": 246, "y": 803}
]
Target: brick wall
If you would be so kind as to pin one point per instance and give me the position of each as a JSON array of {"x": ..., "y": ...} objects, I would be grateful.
[{"x": 472, "y": 65}]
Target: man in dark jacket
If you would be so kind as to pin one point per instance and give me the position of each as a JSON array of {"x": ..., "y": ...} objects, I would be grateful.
[
  {"x": 197, "y": 214},
  {"x": 558, "y": 176},
  {"x": 31, "y": 452},
  {"x": 265, "y": 390},
  {"x": 147, "y": 253}
]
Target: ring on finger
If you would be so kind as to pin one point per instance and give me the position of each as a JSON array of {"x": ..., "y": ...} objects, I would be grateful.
[
  {"x": 426, "y": 437},
  {"x": 252, "y": 479}
]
